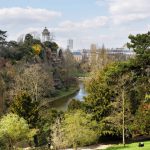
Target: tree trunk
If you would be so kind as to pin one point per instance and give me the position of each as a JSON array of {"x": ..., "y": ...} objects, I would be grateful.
[
  {"x": 36, "y": 89},
  {"x": 123, "y": 118},
  {"x": 74, "y": 146},
  {"x": 36, "y": 140},
  {"x": 10, "y": 145}
]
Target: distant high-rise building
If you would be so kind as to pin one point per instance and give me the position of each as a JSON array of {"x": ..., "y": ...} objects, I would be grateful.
[
  {"x": 70, "y": 44},
  {"x": 45, "y": 35}
]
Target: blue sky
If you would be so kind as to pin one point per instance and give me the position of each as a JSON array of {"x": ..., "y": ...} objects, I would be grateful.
[{"x": 85, "y": 21}]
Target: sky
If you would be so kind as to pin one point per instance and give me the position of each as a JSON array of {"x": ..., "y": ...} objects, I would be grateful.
[{"x": 107, "y": 22}]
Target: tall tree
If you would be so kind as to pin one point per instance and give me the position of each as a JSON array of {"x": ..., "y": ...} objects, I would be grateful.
[
  {"x": 102, "y": 60},
  {"x": 32, "y": 80},
  {"x": 2, "y": 90},
  {"x": 3, "y": 37},
  {"x": 120, "y": 117},
  {"x": 140, "y": 43},
  {"x": 121, "y": 96},
  {"x": 93, "y": 56},
  {"x": 69, "y": 70},
  {"x": 58, "y": 134},
  {"x": 99, "y": 96}
]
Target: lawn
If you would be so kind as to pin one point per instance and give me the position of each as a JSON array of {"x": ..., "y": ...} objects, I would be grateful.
[{"x": 132, "y": 146}]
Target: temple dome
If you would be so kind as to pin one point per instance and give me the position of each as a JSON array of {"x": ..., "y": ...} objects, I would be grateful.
[
  {"x": 45, "y": 32},
  {"x": 45, "y": 35}
]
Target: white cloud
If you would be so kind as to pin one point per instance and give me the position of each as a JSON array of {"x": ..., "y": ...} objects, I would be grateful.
[
  {"x": 129, "y": 6},
  {"x": 69, "y": 28},
  {"x": 96, "y": 22},
  {"x": 124, "y": 11},
  {"x": 119, "y": 19},
  {"x": 99, "y": 29},
  {"x": 129, "y": 10},
  {"x": 23, "y": 16}
]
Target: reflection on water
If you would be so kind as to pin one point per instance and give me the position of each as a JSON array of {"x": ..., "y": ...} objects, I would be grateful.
[
  {"x": 62, "y": 104},
  {"x": 81, "y": 94}
]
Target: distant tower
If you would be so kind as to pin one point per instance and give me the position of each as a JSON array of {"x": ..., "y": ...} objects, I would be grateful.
[
  {"x": 70, "y": 44},
  {"x": 93, "y": 54},
  {"x": 45, "y": 35}
]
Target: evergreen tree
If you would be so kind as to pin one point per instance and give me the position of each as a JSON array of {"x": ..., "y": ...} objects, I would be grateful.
[
  {"x": 25, "y": 107},
  {"x": 3, "y": 37}
]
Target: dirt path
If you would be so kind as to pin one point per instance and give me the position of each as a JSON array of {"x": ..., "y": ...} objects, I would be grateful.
[{"x": 94, "y": 147}]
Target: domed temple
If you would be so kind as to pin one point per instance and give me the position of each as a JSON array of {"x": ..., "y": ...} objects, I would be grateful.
[{"x": 45, "y": 35}]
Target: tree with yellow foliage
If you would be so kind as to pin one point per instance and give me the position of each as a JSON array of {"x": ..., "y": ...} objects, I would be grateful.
[{"x": 37, "y": 48}]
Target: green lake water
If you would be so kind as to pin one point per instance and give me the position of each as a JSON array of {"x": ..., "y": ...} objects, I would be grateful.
[{"x": 62, "y": 104}]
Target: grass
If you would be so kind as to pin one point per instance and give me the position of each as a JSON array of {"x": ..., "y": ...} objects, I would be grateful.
[
  {"x": 64, "y": 94},
  {"x": 132, "y": 146}
]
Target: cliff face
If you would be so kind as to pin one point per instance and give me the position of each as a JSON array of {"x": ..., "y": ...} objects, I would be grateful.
[{"x": 55, "y": 61}]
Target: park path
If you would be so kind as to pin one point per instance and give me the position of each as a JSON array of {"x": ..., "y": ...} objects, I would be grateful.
[{"x": 94, "y": 147}]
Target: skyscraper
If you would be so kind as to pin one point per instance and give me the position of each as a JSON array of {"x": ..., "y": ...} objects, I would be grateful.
[{"x": 70, "y": 44}]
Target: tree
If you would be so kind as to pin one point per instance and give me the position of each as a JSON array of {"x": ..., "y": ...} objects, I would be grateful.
[
  {"x": 14, "y": 129},
  {"x": 141, "y": 123},
  {"x": 75, "y": 105},
  {"x": 116, "y": 93},
  {"x": 102, "y": 60},
  {"x": 99, "y": 96},
  {"x": 79, "y": 129},
  {"x": 120, "y": 117},
  {"x": 58, "y": 134},
  {"x": 2, "y": 90},
  {"x": 140, "y": 43},
  {"x": 13, "y": 44},
  {"x": 48, "y": 118},
  {"x": 32, "y": 80},
  {"x": 25, "y": 107},
  {"x": 3, "y": 37},
  {"x": 52, "y": 45},
  {"x": 28, "y": 39},
  {"x": 93, "y": 57},
  {"x": 69, "y": 69},
  {"x": 37, "y": 48},
  {"x": 140, "y": 66},
  {"x": 108, "y": 100}
]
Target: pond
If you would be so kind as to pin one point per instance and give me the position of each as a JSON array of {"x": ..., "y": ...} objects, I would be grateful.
[{"x": 62, "y": 104}]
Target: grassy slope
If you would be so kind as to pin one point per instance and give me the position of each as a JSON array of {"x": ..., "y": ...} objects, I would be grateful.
[
  {"x": 133, "y": 146},
  {"x": 61, "y": 95},
  {"x": 64, "y": 94}
]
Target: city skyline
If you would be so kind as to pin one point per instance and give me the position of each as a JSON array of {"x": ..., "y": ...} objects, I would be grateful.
[{"x": 86, "y": 22}]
